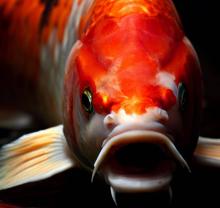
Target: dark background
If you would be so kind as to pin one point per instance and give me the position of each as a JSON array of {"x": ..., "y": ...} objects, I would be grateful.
[
  {"x": 201, "y": 23},
  {"x": 200, "y": 20}
]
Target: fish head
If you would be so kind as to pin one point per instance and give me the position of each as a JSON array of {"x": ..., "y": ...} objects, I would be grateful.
[{"x": 132, "y": 100}]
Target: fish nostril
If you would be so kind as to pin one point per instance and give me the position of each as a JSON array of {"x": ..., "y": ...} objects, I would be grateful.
[
  {"x": 162, "y": 115},
  {"x": 157, "y": 114},
  {"x": 110, "y": 121}
]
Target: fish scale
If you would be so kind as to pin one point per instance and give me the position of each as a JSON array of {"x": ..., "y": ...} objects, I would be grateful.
[{"x": 41, "y": 35}]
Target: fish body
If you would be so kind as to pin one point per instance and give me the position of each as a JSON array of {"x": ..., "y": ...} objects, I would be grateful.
[
  {"x": 36, "y": 39},
  {"x": 120, "y": 76}
]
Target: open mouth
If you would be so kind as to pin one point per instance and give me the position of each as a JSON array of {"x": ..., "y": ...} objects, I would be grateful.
[
  {"x": 137, "y": 158},
  {"x": 138, "y": 161}
]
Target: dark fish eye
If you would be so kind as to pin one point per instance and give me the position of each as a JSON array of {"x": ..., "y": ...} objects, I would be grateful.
[
  {"x": 86, "y": 100},
  {"x": 182, "y": 96}
]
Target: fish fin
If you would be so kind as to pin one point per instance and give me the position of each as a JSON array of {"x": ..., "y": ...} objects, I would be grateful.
[
  {"x": 207, "y": 152},
  {"x": 33, "y": 157}
]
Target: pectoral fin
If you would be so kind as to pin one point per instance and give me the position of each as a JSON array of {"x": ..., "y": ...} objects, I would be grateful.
[
  {"x": 34, "y": 157},
  {"x": 207, "y": 152}
]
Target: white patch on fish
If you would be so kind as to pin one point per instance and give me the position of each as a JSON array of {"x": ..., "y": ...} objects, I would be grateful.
[
  {"x": 167, "y": 80},
  {"x": 151, "y": 114},
  {"x": 53, "y": 58}
]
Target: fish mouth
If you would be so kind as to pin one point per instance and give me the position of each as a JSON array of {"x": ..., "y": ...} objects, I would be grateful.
[{"x": 138, "y": 161}]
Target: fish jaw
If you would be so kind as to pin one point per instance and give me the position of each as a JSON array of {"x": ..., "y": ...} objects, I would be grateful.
[{"x": 150, "y": 170}]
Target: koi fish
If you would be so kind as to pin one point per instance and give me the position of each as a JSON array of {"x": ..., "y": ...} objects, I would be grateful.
[{"x": 119, "y": 79}]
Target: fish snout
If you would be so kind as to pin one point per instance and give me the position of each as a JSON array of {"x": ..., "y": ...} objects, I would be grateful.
[{"x": 152, "y": 114}]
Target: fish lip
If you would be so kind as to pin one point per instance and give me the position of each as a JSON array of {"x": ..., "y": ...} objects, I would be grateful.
[
  {"x": 142, "y": 182},
  {"x": 150, "y": 126},
  {"x": 138, "y": 183}
]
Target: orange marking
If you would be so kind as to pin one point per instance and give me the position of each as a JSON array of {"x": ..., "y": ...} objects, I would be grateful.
[
  {"x": 23, "y": 36},
  {"x": 57, "y": 20},
  {"x": 111, "y": 55},
  {"x": 120, "y": 8}
]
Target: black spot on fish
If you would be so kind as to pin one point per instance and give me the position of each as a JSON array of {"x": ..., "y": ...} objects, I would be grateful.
[{"x": 49, "y": 5}]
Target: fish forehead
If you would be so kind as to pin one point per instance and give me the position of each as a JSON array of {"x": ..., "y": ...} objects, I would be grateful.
[
  {"x": 134, "y": 88},
  {"x": 124, "y": 59},
  {"x": 133, "y": 34},
  {"x": 132, "y": 43}
]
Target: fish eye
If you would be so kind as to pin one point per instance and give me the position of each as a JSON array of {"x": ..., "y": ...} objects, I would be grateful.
[
  {"x": 86, "y": 100},
  {"x": 182, "y": 96}
]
